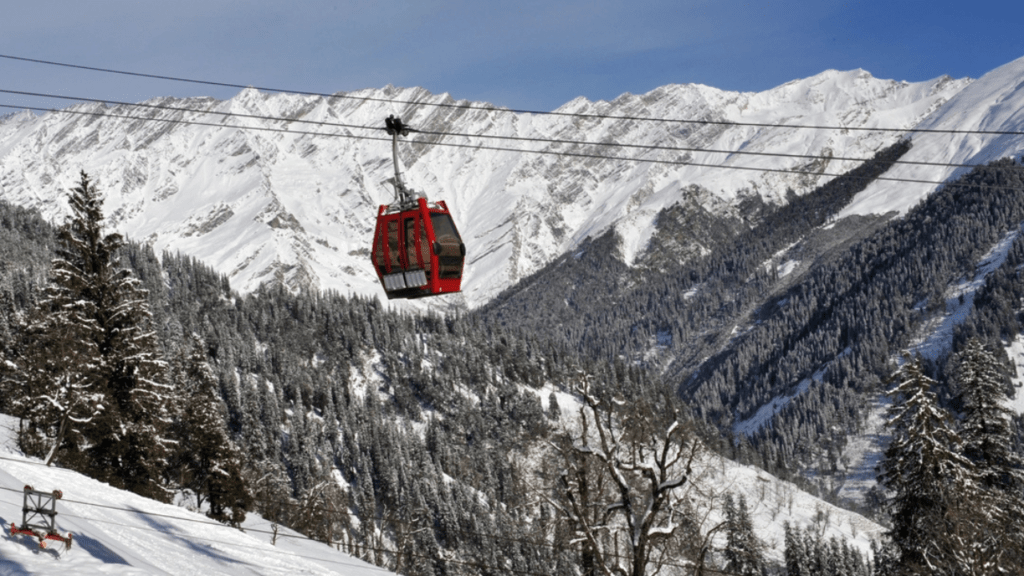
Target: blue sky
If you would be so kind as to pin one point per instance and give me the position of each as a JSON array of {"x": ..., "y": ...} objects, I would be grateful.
[{"x": 526, "y": 54}]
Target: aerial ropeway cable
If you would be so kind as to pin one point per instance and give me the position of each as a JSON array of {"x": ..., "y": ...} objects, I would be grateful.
[{"x": 490, "y": 108}]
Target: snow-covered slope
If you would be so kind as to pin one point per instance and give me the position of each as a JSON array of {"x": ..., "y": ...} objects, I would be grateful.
[
  {"x": 117, "y": 532},
  {"x": 1015, "y": 351},
  {"x": 774, "y": 503},
  {"x": 993, "y": 103},
  {"x": 299, "y": 208}
]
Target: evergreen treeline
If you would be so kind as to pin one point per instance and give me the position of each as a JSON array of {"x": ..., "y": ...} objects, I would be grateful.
[
  {"x": 850, "y": 315},
  {"x": 809, "y": 553},
  {"x": 26, "y": 248},
  {"x": 316, "y": 385},
  {"x": 594, "y": 303}
]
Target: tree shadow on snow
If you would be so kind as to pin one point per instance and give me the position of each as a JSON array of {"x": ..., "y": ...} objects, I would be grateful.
[
  {"x": 169, "y": 530},
  {"x": 98, "y": 550},
  {"x": 11, "y": 568}
]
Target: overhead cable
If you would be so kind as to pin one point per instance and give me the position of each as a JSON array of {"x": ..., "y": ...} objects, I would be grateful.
[
  {"x": 499, "y": 148},
  {"x": 465, "y": 105},
  {"x": 610, "y": 144}
]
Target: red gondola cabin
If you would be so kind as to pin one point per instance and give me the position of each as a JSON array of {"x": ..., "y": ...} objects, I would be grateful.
[{"x": 417, "y": 251}]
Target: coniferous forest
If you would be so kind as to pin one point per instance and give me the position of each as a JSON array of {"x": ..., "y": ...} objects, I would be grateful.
[
  {"x": 431, "y": 444},
  {"x": 732, "y": 334}
]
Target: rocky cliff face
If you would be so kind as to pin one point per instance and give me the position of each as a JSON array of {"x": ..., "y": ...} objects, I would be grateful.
[{"x": 283, "y": 193}]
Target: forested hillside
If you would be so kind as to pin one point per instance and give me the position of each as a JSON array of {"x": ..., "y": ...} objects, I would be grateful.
[
  {"x": 358, "y": 426},
  {"x": 431, "y": 443},
  {"x": 426, "y": 444},
  {"x": 783, "y": 336}
]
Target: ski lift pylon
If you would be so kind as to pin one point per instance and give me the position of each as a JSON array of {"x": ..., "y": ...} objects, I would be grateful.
[{"x": 38, "y": 517}]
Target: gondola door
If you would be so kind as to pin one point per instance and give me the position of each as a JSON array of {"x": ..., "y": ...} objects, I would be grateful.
[{"x": 417, "y": 250}]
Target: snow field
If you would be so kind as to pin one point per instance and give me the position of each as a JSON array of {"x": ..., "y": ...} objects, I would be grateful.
[
  {"x": 991, "y": 103},
  {"x": 117, "y": 532}
]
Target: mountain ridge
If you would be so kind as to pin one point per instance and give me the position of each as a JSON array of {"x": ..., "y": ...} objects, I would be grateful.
[
  {"x": 991, "y": 103},
  {"x": 297, "y": 208}
]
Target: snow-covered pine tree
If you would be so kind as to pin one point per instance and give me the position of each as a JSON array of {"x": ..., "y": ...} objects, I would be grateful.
[
  {"x": 8, "y": 319},
  {"x": 808, "y": 553},
  {"x": 980, "y": 382},
  {"x": 928, "y": 477},
  {"x": 795, "y": 553},
  {"x": 744, "y": 551},
  {"x": 205, "y": 460},
  {"x": 97, "y": 315},
  {"x": 54, "y": 375}
]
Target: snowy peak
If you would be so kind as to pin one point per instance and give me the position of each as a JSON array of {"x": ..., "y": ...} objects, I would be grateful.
[
  {"x": 994, "y": 102},
  {"x": 835, "y": 101},
  {"x": 991, "y": 103}
]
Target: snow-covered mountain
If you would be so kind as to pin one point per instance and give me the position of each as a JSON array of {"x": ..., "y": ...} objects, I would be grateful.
[
  {"x": 993, "y": 104},
  {"x": 280, "y": 204},
  {"x": 730, "y": 334},
  {"x": 273, "y": 202}
]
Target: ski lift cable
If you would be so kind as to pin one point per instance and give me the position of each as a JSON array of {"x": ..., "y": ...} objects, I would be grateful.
[
  {"x": 528, "y": 139},
  {"x": 506, "y": 149},
  {"x": 490, "y": 108},
  {"x": 162, "y": 107}
]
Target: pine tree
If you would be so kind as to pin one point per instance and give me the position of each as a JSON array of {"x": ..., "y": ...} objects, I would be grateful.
[
  {"x": 744, "y": 551},
  {"x": 985, "y": 427},
  {"x": 205, "y": 460},
  {"x": 54, "y": 378},
  {"x": 998, "y": 515},
  {"x": 924, "y": 470},
  {"x": 795, "y": 553},
  {"x": 8, "y": 320},
  {"x": 104, "y": 376}
]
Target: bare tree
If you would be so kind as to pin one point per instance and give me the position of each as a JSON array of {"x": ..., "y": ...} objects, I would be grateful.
[
  {"x": 407, "y": 524},
  {"x": 322, "y": 512},
  {"x": 620, "y": 479}
]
